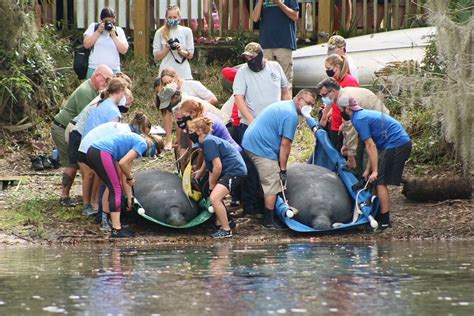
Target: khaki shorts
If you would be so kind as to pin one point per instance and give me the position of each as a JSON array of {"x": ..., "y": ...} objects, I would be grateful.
[
  {"x": 57, "y": 133},
  {"x": 269, "y": 174},
  {"x": 284, "y": 56}
]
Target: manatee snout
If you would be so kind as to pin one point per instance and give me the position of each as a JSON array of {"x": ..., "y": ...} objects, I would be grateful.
[
  {"x": 321, "y": 222},
  {"x": 175, "y": 216}
]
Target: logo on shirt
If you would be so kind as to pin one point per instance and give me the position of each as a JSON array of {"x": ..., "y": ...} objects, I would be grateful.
[
  {"x": 274, "y": 77},
  {"x": 269, "y": 3}
]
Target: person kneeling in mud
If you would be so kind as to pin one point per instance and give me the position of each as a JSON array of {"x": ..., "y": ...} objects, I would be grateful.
[{"x": 226, "y": 170}]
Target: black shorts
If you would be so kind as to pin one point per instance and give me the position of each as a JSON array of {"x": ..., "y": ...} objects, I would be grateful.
[
  {"x": 73, "y": 146},
  {"x": 81, "y": 157},
  {"x": 391, "y": 164},
  {"x": 232, "y": 183}
]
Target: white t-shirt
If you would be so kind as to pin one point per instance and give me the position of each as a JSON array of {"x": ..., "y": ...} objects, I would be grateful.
[
  {"x": 104, "y": 50},
  {"x": 185, "y": 37},
  {"x": 197, "y": 89},
  {"x": 259, "y": 89},
  {"x": 352, "y": 67},
  {"x": 106, "y": 129}
]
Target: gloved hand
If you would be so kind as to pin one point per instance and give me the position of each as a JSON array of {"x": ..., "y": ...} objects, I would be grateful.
[{"x": 283, "y": 177}]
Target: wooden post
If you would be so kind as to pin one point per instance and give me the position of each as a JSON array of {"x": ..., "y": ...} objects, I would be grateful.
[
  {"x": 325, "y": 18},
  {"x": 141, "y": 30}
]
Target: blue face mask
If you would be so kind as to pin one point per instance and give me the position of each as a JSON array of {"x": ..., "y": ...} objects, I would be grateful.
[
  {"x": 173, "y": 22},
  {"x": 327, "y": 100}
]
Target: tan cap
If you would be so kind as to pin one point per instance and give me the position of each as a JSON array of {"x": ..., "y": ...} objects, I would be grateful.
[
  {"x": 336, "y": 41},
  {"x": 165, "y": 95},
  {"x": 252, "y": 49},
  {"x": 348, "y": 101}
]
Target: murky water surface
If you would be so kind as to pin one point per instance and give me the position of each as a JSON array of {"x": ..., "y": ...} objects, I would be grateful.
[{"x": 393, "y": 278}]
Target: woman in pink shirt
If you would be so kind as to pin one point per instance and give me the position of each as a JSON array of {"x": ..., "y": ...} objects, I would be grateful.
[{"x": 337, "y": 67}]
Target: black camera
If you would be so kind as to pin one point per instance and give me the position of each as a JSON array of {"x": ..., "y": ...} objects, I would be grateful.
[
  {"x": 173, "y": 43},
  {"x": 109, "y": 26}
]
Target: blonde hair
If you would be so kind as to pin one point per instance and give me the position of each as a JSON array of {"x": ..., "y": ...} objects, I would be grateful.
[
  {"x": 341, "y": 61},
  {"x": 124, "y": 77},
  {"x": 165, "y": 29},
  {"x": 203, "y": 124},
  {"x": 192, "y": 105}
]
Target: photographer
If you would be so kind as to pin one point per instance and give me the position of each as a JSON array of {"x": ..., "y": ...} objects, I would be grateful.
[
  {"x": 107, "y": 40},
  {"x": 173, "y": 44}
]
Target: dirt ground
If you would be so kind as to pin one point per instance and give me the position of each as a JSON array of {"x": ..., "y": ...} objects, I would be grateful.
[{"x": 452, "y": 219}]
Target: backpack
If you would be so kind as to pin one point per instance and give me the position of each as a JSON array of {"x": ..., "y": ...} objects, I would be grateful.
[{"x": 81, "y": 61}]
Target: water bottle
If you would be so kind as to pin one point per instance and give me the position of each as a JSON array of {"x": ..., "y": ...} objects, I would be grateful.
[{"x": 55, "y": 155}]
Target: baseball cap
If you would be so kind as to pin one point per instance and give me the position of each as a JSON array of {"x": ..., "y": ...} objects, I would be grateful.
[
  {"x": 165, "y": 95},
  {"x": 335, "y": 41},
  {"x": 229, "y": 73},
  {"x": 348, "y": 101},
  {"x": 252, "y": 49}
]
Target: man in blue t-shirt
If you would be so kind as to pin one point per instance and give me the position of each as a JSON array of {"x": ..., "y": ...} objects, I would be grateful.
[
  {"x": 268, "y": 143},
  {"x": 278, "y": 31},
  {"x": 388, "y": 147}
]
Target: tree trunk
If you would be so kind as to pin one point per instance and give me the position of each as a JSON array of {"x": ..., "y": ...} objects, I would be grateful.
[{"x": 440, "y": 189}]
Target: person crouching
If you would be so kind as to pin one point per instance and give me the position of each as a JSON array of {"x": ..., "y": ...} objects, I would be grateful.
[{"x": 226, "y": 170}]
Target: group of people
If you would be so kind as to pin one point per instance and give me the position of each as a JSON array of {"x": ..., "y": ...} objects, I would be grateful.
[{"x": 244, "y": 146}]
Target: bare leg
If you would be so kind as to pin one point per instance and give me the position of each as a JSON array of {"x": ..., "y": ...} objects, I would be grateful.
[
  {"x": 382, "y": 193},
  {"x": 217, "y": 201},
  {"x": 69, "y": 174},
  {"x": 87, "y": 182}
]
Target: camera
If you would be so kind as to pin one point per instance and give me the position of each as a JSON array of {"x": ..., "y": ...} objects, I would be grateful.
[
  {"x": 109, "y": 26},
  {"x": 173, "y": 43}
]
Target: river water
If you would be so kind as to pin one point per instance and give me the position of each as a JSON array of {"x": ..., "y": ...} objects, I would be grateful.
[{"x": 395, "y": 278}]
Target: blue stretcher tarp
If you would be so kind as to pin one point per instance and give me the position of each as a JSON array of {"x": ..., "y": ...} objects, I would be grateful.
[{"x": 325, "y": 155}]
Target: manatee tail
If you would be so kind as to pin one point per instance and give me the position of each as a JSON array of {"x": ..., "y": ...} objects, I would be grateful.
[{"x": 321, "y": 222}]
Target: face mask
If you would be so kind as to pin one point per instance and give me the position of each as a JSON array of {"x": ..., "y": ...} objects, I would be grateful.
[
  {"x": 330, "y": 72},
  {"x": 122, "y": 101},
  {"x": 256, "y": 64},
  {"x": 123, "y": 109},
  {"x": 194, "y": 137},
  {"x": 134, "y": 129},
  {"x": 173, "y": 22},
  {"x": 306, "y": 110},
  {"x": 327, "y": 100},
  {"x": 182, "y": 122},
  {"x": 345, "y": 116}
]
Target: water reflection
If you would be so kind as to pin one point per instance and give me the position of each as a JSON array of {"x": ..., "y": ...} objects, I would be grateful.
[{"x": 227, "y": 278}]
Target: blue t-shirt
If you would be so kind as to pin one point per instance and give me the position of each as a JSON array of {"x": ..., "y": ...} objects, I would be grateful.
[
  {"x": 277, "y": 30},
  {"x": 232, "y": 161},
  {"x": 385, "y": 131},
  {"x": 105, "y": 112},
  {"x": 119, "y": 145},
  {"x": 263, "y": 137},
  {"x": 219, "y": 130}
]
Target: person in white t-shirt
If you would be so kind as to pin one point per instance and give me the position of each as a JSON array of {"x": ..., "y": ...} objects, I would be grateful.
[
  {"x": 107, "y": 41},
  {"x": 173, "y": 44},
  {"x": 196, "y": 89}
]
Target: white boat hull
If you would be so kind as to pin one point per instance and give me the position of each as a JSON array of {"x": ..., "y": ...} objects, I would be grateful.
[{"x": 369, "y": 52}]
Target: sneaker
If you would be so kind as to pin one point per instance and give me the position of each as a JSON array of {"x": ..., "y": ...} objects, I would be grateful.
[
  {"x": 55, "y": 164},
  {"x": 47, "y": 164},
  {"x": 37, "y": 163},
  {"x": 383, "y": 227},
  {"x": 67, "y": 202},
  {"x": 221, "y": 233},
  {"x": 121, "y": 233},
  {"x": 270, "y": 222},
  {"x": 88, "y": 210},
  {"x": 232, "y": 225}
]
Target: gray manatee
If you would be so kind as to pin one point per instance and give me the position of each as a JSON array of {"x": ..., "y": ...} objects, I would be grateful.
[
  {"x": 319, "y": 195},
  {"x": 161, "y": 195}
]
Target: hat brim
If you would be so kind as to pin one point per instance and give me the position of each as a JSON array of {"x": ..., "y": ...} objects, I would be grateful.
[{"x": 248, "y": 54}]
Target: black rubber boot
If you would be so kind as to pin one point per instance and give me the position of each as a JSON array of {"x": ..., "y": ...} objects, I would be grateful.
[{"x": 270, "y": 222}]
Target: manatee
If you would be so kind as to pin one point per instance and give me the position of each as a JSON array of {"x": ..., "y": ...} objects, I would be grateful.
[
  {"x": 161, "y": 195},
  {"x": 319, "y": 195}
]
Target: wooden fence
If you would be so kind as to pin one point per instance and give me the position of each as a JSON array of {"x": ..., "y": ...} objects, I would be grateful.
[{"x": 318, "y": 18}]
